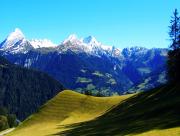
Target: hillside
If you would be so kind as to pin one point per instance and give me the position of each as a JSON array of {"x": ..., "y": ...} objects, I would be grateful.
[
  {"x": 153, "y": 113},
  {"x": 23, "y": 91},
  {"x": 67, "y": 107}
]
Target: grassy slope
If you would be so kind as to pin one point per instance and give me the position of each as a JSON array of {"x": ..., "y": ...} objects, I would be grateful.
[
  {"x": 153, "y": 113},
  {"x": 66, "y": 108}
]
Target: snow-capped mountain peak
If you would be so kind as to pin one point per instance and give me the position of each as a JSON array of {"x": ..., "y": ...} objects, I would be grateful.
[
  {"x": 87, "y": 41},
  {"x": 91, "y": 40},
  {"x": 88, "y": 44},
  {"x": 16, "y": 42},
  {"x": 42, "y": 43},
  {"x": 16, "y": 35},
  {"x": 73, "y": 39},
  {"x": 13, "y": 40}
]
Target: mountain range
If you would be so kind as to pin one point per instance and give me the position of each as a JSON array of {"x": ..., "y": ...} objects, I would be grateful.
[{"x": 86, "y": 64}]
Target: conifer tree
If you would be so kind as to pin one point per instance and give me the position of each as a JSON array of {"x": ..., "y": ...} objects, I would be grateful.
[
  {"x": 174, "y": 30},
  {"x": 174, "y": 52}
]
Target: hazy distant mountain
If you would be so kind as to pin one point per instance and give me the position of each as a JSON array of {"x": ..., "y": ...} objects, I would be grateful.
[{"x": 86, "y": 64}]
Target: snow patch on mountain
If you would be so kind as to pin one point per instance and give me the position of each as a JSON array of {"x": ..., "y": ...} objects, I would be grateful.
[
  {"x": 73, "y": 39},
  {"x": 16, "y": 43},
  {"x": 42, "y": 43},
  {"x": 91, "y": 40},
  {"x": 13, "y": 39},
  {"x": 17, "y": 34},
  {"x": 89, "y": 45}
]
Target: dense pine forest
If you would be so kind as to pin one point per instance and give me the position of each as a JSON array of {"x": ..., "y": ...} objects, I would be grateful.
[{"x": 23, "y": 91}]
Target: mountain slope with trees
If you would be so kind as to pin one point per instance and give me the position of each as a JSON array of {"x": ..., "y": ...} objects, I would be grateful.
[{"x": 22, "y": 90}]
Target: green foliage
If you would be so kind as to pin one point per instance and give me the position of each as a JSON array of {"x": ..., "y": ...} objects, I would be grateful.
[
  {"x": 3, "y": 111},
  {"x": 115, "y": 94},
  {"x": 90, "y": 87},
  {"x": 12, "y": 120},
  {"x": 93, "y": 84},
  {"x": 105, "y": 91},
  {"x": 7, "y": 120},
  {"x": 99, "y": 94},
  {"x": 80, "y": 90},
  {"x": 3, "y": 122},
  {"x": 88, "y": 92}
]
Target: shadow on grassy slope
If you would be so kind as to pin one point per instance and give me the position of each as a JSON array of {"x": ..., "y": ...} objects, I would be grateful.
[{"x": 155, "y": 109}]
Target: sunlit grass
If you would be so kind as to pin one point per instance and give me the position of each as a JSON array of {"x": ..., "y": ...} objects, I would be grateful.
[
  {"x": 67, "y": 107},
  {"x": 152, "y": 113}
]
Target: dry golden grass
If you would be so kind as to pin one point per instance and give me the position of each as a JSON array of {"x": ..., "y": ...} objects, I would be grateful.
[{"x": 67, "y": 107}]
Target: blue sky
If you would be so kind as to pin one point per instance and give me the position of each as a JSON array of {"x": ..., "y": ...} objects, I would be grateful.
[{"x": 122, "y": 23}]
